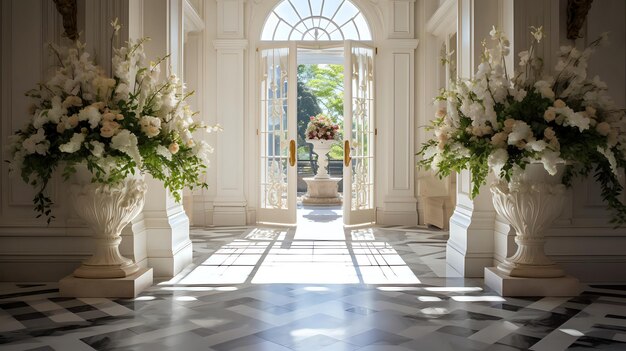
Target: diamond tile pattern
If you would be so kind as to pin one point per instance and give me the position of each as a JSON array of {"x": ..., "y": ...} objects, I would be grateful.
[{"x": 381, "y": 288}]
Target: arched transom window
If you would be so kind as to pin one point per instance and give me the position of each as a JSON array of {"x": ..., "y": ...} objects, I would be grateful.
[{"x": 316, "y": 20}]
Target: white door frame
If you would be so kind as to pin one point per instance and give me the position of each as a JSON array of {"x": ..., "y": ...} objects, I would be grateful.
[{"x": 287, "y": 215}]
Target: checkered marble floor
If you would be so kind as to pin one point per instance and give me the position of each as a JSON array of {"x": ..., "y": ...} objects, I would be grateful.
[{"x": 315, "y": 287}]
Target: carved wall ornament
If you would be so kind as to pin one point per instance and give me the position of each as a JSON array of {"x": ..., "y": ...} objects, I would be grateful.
[
  {"x": 576, "y": 15},
  {"x": 67, "y": 9}
]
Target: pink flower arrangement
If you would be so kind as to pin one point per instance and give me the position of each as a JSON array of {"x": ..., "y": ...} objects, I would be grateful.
[{"x": 321, "y": 127}]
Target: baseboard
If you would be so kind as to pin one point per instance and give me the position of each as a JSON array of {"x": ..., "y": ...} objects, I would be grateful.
[
  {"x": 467, "y": 265},
  {"x": 39, "y": 268},
  {"x": 229, "y": 215},
  {"x": 407, "y": 218},
  {"x": 170, "y": 265}
]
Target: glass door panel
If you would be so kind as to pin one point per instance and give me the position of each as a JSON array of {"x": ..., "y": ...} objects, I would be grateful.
[
  {"x": 277, "y": 135},
  {"x": 359, "y": 134}
]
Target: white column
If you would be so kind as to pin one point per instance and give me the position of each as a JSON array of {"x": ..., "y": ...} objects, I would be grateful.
[
  {"x": 229, "y": 205},
  {"x": 164, "y": 220},
  {"x": 471, "y": 243}
]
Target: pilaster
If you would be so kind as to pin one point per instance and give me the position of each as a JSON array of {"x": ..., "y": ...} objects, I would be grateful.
[
  {"x": 163, "y": 220},
  {"x": 229, "y": 205},
  {"x": 397, "y": 100},
  {"x": 471, "y": 244}
]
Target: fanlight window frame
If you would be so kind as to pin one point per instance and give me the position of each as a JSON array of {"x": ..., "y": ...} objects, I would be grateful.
[{"x": 316, "y": 20}]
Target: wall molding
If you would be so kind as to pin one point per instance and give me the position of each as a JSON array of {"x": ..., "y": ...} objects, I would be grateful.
[{"x": 443, "y": 21}]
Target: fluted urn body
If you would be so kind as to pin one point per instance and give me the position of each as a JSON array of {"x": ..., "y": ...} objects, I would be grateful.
[
  {"x": 530, "y": 203},
  {"x": 107, "y": 209},
  {"x": 321, "y": 148}
]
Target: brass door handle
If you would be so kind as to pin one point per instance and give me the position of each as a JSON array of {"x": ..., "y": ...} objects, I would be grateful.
[
  {"x": 346, "y": 153},
  {"x": 292, "y": 152}
]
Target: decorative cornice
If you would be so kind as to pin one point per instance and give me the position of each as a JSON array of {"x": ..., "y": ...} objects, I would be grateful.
[{"x": 443, "y": 21}]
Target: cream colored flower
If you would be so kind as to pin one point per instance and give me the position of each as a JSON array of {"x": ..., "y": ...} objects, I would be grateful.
[
  {"x": 174, "y": 148},
  {"x": 499, "y": 139},
  {"x": 603, "y": 128},
  {"x": 549, "y": 115},
  {"x": 591, "y": 111},
  {"x": 109, "y": 129},
  {"x": 150, "y": 126},
  {"x": 108, "y": 116},
  {"x": 508, "y": 124},
  {"x": 558, "y": 103},
  {"x": 72, "y": 100},
  {"x": 72, "y": 121}
]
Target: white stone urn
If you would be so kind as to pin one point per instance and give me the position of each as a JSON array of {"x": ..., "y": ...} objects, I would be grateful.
[
  {"x": 107, "y": 209},
  {"x": 530, "y": 203},
  {"x": 321, "y": 148}
]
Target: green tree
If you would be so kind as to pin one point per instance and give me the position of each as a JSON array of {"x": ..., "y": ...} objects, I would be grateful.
[
  {"x": 325, "y": 82},
  {"x": 308, "y": 105}
]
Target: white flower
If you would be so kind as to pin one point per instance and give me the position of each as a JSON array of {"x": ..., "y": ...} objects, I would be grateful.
[
  {"x": 521, "y": 132},
  {"x": 610, "y": 156},
  {"x": 57, "y": 110},
  {"x": 17, "y": 162},
  {"x": 598, "y": 83},
  {"x": 203, "y": 151},
  {"x": 40, "y": 119},
  {"x": 497, "y": 160},
  {"x": 550, "y": 159},
  {"x": 493, "y": 32},
  {"x": 545, "y": 89},
  {"x": 150, "y": 126},
  {"x": 36, "y": 143},
  {"x": 122, "y": 91},
  {"x": 91, "y": 114},
  {"x": 71, "y": 86},
  {"x": 97, "y": 148},
  {"x": 74, "y": 144},
  {"x": 520, "y": 95},
  {"x": 524, "y": 56},
  {"x": 163, "y": 151},
  {"x": 537, "y": 33},
  {"x": 536, "y": 145},
  {"x": 437, "y": 159},
  {"x": 576, "y": 119},
  {"x": 126, "y": 142}
]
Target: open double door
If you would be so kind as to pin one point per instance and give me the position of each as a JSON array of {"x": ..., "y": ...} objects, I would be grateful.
[{"x": 278, "y": 133}]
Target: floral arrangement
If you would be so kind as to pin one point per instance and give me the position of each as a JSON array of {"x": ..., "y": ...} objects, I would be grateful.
[
  {"x": 114, "y": 125},
  {"x": 501, "y": 123},
  {"x": 322, "y": 127}
]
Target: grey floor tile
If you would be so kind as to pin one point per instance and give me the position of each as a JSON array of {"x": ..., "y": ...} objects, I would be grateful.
[{"x": 316, "y": 317}]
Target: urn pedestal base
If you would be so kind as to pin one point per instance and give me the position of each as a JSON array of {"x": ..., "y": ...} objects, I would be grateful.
[
  {"x": 127, "y": 287},
  {"x": 506, "y": 285},
  {"x": 322, "y": 191}
]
